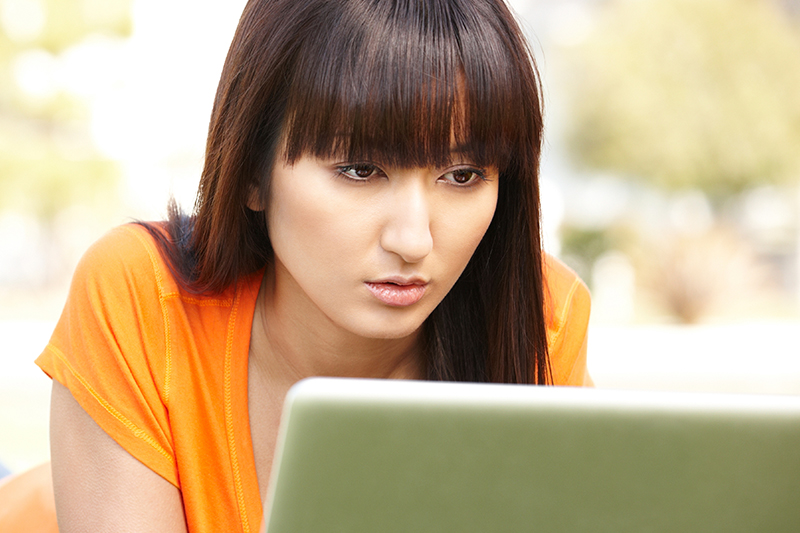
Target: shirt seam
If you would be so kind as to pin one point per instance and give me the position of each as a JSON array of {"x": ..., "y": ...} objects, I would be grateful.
[
  {"x": 569, "y": 300},
  {"x": 568, "y": 303},
  {"x": 561, "y": 317},
  {"x": 135, "y": 430},
  {"x": 229, "y": 419},
  {"x": 203, "y": 302},
  {"x": 162, "y": 300}
]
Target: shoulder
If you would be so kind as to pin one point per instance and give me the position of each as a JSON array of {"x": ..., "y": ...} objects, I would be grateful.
[
  {"x": 567, "y": 309},
  {"x": 111, "y": 346},
  {"x": 114, "y": 318},
  {"x": 114, "y": 311},
  {"x": 126, "y": 257},
  {"x": 565, "y": 292}
]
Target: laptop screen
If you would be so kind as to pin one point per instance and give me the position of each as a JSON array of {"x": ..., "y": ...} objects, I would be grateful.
[{"x": 408, "y": 456}]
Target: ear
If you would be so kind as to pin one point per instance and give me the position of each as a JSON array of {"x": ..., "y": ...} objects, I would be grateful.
[{"x": 254, "y": 202}]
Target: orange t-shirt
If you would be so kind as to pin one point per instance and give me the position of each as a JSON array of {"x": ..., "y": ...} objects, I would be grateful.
[{"x": 164, "y": 373}]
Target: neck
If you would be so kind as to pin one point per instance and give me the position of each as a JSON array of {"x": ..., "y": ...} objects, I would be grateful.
[{"x": 291, "y": 342}]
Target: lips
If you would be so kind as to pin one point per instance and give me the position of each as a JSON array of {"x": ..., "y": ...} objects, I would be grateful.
[{"x": 397, "y": 292}]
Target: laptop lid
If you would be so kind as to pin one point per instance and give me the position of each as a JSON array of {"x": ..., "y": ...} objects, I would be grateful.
[{"x": 408, "y": 456}]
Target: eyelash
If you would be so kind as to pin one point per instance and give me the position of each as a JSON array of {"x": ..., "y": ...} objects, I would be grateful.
[
  {"x": 479, "y": 176},
  {"x": 341, "y": 171}
]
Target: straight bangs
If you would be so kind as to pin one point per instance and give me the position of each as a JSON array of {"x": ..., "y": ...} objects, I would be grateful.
[{"x": 408, "y": 84}]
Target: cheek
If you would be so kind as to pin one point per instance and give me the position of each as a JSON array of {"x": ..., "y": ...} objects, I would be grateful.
[
  {"x": 313, "y": 230},
  {"x": 299, "y": 230},
  {"x": 463, "y": 227}
]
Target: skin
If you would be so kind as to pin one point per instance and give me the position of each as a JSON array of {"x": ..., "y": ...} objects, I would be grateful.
[
  {"x": 89, "y": 467},
  {"x": 334, "y": 226}
]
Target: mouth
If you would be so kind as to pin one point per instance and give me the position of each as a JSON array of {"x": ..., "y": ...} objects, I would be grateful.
[{"x": 397, "y": 292}]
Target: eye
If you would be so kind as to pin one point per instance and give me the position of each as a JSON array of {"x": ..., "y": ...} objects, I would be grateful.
[
  {"x": 358, "y": 172},
  {"x": 463, "y": 176}
]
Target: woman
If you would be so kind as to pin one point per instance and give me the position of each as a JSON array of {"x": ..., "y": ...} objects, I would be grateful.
[{"x": 368, "y": 207}]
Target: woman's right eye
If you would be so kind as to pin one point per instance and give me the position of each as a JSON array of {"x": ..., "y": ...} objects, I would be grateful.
[{"x": 359, "y": 172}]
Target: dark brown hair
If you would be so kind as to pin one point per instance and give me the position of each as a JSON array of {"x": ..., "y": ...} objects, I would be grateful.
[{"x": 393, "y": 81}]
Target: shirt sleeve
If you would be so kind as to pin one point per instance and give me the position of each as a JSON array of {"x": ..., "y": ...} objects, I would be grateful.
[
  {"x": 109, "y": 347},
  {"x": 568, "y": 305}
]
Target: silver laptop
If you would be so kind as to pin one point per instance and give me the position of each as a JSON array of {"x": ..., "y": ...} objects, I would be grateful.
[{"x": 376, "y": 456}]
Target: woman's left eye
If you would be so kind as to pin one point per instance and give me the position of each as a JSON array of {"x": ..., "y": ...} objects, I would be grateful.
[
  {"x": 359, "y": 172},
  {"x": 463, "y": 176}
]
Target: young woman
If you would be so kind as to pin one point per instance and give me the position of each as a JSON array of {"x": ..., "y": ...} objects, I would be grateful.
[{"x": 368, "y": 207}]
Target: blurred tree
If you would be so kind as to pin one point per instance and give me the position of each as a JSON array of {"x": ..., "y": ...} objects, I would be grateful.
[
  {"x": 687, "y": 93},
  {"x": 47, "y": 158}
]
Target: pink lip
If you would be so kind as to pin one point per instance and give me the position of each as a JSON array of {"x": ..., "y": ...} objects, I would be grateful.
[{"x": 397, "y": 292}]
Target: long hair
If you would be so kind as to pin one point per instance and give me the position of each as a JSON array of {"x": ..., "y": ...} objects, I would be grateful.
[{"x": 395, "y": 81}]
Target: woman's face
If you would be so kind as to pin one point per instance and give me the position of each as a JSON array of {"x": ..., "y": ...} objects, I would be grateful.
[{"x": 372, "y": 249}]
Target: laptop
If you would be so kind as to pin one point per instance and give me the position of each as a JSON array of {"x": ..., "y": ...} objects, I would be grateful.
[{"x": 358, "y": 456}]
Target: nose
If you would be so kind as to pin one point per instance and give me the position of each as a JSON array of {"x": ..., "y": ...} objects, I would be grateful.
[{"x": 407, "y": 229}]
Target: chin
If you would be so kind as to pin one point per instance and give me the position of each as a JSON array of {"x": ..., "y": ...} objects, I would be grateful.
[{"x": 390, "y": 329}]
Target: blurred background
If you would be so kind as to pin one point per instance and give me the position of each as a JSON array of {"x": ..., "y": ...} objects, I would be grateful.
[{"x": 671, "y": 177}]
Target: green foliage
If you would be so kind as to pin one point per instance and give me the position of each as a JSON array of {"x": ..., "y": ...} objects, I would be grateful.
[
  {"x": 67, "y": 22},
  {"x": 70, "y": 21},
  {"x": 47, "y": 161},
  {"x": 688, "y": 93},
  {"x": 581, "y": 247},
  {"x": 46, "y": 166}
]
